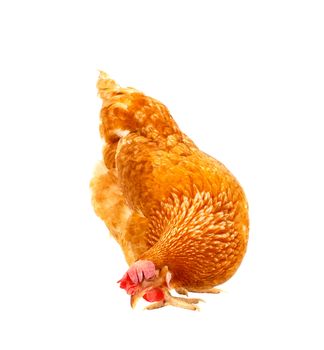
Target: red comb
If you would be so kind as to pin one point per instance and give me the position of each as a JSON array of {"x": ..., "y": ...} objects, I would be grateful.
[{"x": 141, "y": 269}]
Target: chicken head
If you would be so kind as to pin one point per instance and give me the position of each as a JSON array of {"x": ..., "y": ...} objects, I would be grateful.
[{"x": 143, "y": 280}]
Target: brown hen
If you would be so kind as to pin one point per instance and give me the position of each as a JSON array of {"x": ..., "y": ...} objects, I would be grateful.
[{"x": 180, "y": 217}]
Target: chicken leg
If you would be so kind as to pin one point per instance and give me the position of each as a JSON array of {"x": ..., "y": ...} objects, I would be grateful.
[{"x": 185, "y": 303}]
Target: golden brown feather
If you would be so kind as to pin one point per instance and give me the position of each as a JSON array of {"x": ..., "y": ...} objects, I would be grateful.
[{"x": 165, "y": 201}]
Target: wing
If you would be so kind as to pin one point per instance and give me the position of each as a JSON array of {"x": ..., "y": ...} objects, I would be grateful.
[{"x": 126, "y": 226}]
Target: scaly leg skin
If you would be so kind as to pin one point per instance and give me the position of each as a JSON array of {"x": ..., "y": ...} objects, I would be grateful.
[
  {"x": 185, "y": 303},
  {"x": 207, "y": 290},
  {"x": 182, "y": 291}
]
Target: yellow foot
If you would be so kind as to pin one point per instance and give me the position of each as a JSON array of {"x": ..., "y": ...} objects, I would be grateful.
[
  {"x": 207, "y": 290},
  {"x": 182, "y": 291},
  {"x": 185, "y": 303}
]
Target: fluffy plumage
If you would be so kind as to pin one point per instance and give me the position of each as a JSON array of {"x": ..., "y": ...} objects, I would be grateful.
[{"x": 164, "y": 200}]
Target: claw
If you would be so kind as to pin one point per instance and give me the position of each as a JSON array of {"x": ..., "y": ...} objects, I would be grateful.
[
  {"x": 154, "y": 306},
  {"x": 184, "y": 303}
]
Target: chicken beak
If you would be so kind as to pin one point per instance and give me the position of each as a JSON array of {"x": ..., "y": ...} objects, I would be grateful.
[{"x": 134, "y": 299}]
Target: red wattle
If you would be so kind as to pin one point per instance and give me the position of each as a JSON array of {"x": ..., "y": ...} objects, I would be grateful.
[{"x": 154, "y": 294}]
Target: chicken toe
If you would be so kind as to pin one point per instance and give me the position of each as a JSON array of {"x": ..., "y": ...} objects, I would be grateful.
[
  {"x": 184, "y": 303},
  {"x": 207, "y": 290},
  {"x": 182, "y": 291}
]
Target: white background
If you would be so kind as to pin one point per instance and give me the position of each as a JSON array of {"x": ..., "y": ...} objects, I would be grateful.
[{"x": 245, "y": 80}]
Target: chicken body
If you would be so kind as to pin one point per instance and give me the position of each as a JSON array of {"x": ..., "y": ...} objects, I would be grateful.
[{"x": 162, "y": 198}]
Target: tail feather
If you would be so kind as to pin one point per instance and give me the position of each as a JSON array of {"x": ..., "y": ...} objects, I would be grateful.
[
  {"x": 106, "y": 86},
  {"x": 126, "y": 110}
]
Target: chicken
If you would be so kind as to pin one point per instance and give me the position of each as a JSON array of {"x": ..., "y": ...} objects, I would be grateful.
[{"x": 180, "y": 217}]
